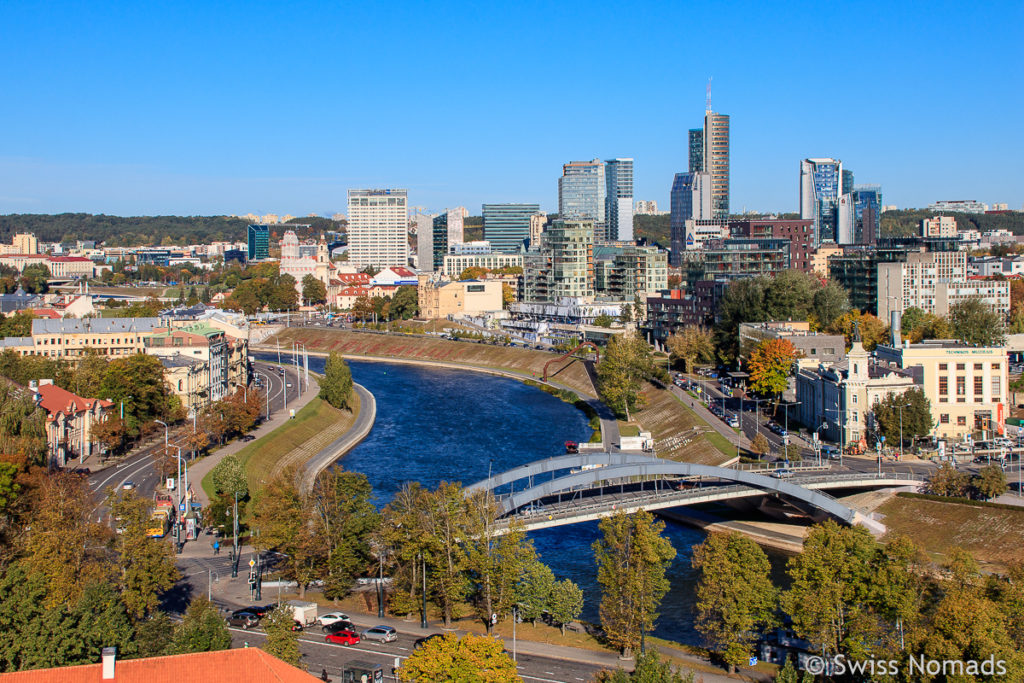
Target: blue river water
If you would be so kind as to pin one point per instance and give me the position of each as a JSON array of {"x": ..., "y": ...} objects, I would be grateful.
[{"x": 438, "y": 425}]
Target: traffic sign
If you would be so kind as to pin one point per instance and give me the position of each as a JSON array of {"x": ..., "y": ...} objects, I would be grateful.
[
  {"x": 181, "y": 507},
  {"x": 252, "y": 563}
]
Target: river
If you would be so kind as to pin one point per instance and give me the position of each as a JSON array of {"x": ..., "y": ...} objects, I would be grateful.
[{"x": 438, "y": 425}]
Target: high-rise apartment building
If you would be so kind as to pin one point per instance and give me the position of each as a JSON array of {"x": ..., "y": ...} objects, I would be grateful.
[
  {"x": 258, "y": 242},
  {"x": 378, "y": 228},
  {"x": 716, "y": 162},
  {"x": 619, "y": 199},
  {"x": 820, "y": 190},
  {"x": 935, "y": 281},
  {"x": 867, "y": 205},
  {"x": 581, "y": 192},
  {"x": 645, "y": 207},
  {"x": 563, "y": 265},
  {"x": 507, "y": 226},
  {"x": 448, "y": 229},
  {"x": 424, "y": 241},
  {"x": 537, "y": 223}
]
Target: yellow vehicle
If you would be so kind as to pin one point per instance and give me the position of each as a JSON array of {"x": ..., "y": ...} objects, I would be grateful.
[{"x": 159, "y": 523}]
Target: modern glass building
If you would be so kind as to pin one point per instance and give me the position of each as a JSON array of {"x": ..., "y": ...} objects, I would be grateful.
[
  {"x": 507, "y": 226},
  {"x": 867, "y": 206},
  {"x": 820, "y": 189},
  {"x": 259, "y": 242},
  {"x": 696, "y": 150},
  {"x": 716, "y": 162},
  {"x": 581, "y": 192},
  {"x": 563, "y": 265},
  {"x": 619, "y": 199},
  {"x": 681, "y": 210}
]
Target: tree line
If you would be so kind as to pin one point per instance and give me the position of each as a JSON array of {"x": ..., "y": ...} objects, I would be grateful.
[{"x": 118, "y": 231}]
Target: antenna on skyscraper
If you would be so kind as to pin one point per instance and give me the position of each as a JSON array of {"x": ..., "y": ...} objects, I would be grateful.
[{"x": 707, "y": 104}]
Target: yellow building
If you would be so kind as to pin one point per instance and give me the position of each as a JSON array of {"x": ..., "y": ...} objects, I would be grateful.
[
  {"x": 69, "y": 338},
  {"x": 440, "y": 298},
  {"x": 819, "y": 260}
]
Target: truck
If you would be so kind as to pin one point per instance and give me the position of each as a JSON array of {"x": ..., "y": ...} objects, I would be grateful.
[
  {"x": 642, "y": 442},
  {"x": 159, "y": 522},
  {"x": 304, "y": 612}
]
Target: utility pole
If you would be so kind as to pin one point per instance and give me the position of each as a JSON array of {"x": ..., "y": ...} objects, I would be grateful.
[
  {"x": 234, "y": 546},
  {"x": 423, "y": 617}
]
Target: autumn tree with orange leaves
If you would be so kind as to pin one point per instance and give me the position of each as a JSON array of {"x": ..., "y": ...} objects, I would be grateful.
[{"x": 770, "y": 365}]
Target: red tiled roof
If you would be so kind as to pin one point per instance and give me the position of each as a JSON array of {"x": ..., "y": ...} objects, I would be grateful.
[
  {"x": 55, "y": 400},
  {"x": 244, "y": 665},
  {"x": 404, "y": 272},
  {"x": 45, "y": 313}
]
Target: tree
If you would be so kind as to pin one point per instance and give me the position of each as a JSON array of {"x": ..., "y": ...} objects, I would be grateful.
[
  {"x": 405, "y": 303},
  {"x": 976, "y": 324},
  {"x": 145, "y": 569},
  {"x": 201, "y": 629},
  {"x": 872, "y": 330},
  {"x": 280, "y": 513},
  {"x": 533, "y": 593},
  {"x": 621, "y": 374},
  {"x": 362, "y": 308},
  {"x": 282, "y": 641},
  {"x": 508, "y": 294},
  {"x": 470, "y": 659},
  {"x": 565, "y": 604},
  {"x": 990, "y": 482},
  {"x": 694, "y": 345},
  {"x": 473, "y": 273},
  {"x": 604, "y": 320},
  {"x": 650, "y": 668},
  {"x": 626, "y": 316},
  {"x": 336, "y": 387},
  {"x": 632, "y": 557},
  {"x": 742, "y": 302},
  {"x": 343, "y": 518},
  {"x": 911, "y": 421},
  {"x": 735, "y": 595},
  {"x": 770, "y": 365},
  {"x": 110, "y": 432},
  {"x": 137, "y": 380},
  {"x": 228, "y": 476},
  {"x": 948, "y": 481},
  {"x": 445, "y": 524},
  {"x": 154, "y": 636},
  {"x": 830, "y": 302},
  {"x": 313, "y": 291},
  {"x": 789, "y": 674},
  {"x": 789, "y": 295},
  {"x": 760, "y": 446}
]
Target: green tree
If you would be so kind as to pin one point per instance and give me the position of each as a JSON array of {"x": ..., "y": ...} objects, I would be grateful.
[
  {"x": 282, "y": 641},
  {"x": 626, "y": 316},
  {"x": 976, "y": 324},
  {"x": 735, "y": 595},
  {"x": 137, "y": 380},
  {"x": 344, "y": 517},
  {"x": 694, "y": 345},
  {"x": 87, "y": 378},
  {"x": 533, "y": 593},
  {"x": 789, "y": 295},
  {"x": 313, "y": 291},
  {"x": 632, "y": 557},
  {"x": 280, "y": 513},
  {"x": 336, "y": 386},
  {"x": 228, "y": 476},
  {"x": 829, "y": 302},
  {"x": 362, "y": 308},
  {"x": 565, "y": 604},
  {"x": 405, "y": 303},
  {"x": 948, "y": 481},
  {"x": 650, "y": 668},
  {"x": 626, "y": 365},
  {"x": 911, "y": 421},
  {"x": 202, "y": 629},
  {"x": 990, "y": 482},
  {"x": 154, "y": 636},
  {"x": 470, "y": 659},
  {"x": 604, "y": 320},
  {"x": 445, "y": 525},
  {"x": 742, "y": 302},
  {"x": 789, "y": 674}
]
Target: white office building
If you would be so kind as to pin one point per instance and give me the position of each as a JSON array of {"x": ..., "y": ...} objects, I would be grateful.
[
  {"x": 378, "y": 228},
  {"x": 935, "y": 281}
]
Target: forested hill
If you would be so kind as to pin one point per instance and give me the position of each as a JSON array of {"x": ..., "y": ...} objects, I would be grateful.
[
  {"x": 117, "y": 231},
  {"x": 908, "y": 221}
]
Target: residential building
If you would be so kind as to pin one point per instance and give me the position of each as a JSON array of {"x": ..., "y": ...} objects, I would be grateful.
[
  {"x": 619, "y": 199},
  {"x": 938, "y": 226},
  {"x": 71, "y": 338},
  {"x": 867, "y": 202},
  {"x": 581, "y": 193},
  {"x": 676, "y": 309},
  {"x": 507, "y": 226},
  {"x": 989, "y": 266},
  {"x": 959, "y": 206},
  {"x": 820, "y": 191},
  {"x": 627, "y": 273},
  {"x": 456, "y": 263},
  {"x": 967, "y": 386},
  {"x": 644, "y": 207},
  {"x": 820, "y": 256},
  {"x": 70, "y": 420},
  {"x": 258, "y": 242},
  {"x": 736, "y": 258},
  {"x": 439, "y": 298},
  {"x": 199, "y": 341},
  {"x": 934, "y": 281},
  {"x": 378, "y": 228},
  {"x": 448, "y": 231},
  {"x": 836, "y": 400},
  {"x": 813, "y": 348},
  {"x": 799, "y": 233},
  {"x": 563, "y": 265},
  {"x": 856, "y": 270},
  {"x": 424, "y": 241},
  {"x": 188, "y": 379},
  {"x": 537, "y": 223},
  {"x": 716, "y": 162},
  {"x": 21, "y": 243}
]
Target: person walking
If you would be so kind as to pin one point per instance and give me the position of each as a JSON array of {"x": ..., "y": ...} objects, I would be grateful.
[{"x": 216, "y": 547}]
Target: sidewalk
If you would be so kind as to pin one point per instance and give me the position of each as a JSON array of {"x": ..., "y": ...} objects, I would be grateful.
[{"x": 202, "y": 467}]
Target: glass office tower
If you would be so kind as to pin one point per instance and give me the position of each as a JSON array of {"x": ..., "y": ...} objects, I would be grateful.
[{"x": 507, "y": 226}]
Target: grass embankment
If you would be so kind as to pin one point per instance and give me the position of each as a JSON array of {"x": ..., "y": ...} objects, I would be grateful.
[
  {"x": 528, "y": 362},
  {"x": 994, "y": 535},
  {"x": 678, "y": 433},
  {"x": 593, "y": 421}
]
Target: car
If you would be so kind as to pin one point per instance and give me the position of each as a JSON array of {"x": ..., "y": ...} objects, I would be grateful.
[
  {"x": 343, "y": 637},
  {"x": 128, "y": 485},
  {"x": 336, "y": 626},
  {"x": 782, "y": 474},
  {"x": 259, "y": 610},
  {"x": 297, "y": 625},
  {"x": 243, "y": 619},
  {"x": 420, "y": 642},
  {"x": 248, "y": 437},
  {"x": 383, "y": 634},
  {"x": 331, "y": 617}
]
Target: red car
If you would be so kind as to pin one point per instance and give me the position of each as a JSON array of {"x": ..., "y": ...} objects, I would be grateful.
[{"x": 344, "y": 637}]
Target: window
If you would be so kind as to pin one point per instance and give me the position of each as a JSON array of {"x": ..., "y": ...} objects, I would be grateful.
[
  {"x": 944, "y": 418},
  {"x": 960, "y": 366},
  {"x": 943, "y": 366},
  {"x": 978, "y": 366},
  {"x": 979, "y": 386},
  {"x": 855, "y": 398},
  {"x": 943, "y": 385},
  {"x": 997, "y": 387},
  {"x": 961, "y": 420},
  {"x": 961, "y": 386}
]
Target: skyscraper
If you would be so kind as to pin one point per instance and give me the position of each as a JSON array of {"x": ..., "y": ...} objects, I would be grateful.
[
  {"x": 448, "y": 231},
  {"x": 424, "y": 241},
  {"x": 581, "y": 192},
  {"x": 619, "y": 199},
  {"x": 507, "y": 226},
  {"x": 867, "y": 205},
  {"x": 258, "y": 242},
  {"x": 716, "y": 162},
  {"x": 691, "y": 200},
  {"x": 378, "y": 228},
  {"x": 820, "y": 189},
  {"x": 696, "y": 150}
]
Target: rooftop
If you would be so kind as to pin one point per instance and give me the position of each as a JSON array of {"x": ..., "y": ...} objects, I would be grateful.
[{"x": 94, "y": 325}]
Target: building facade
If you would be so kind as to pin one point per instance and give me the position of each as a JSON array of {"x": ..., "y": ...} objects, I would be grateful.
[
  {"x": 959, "y": 206},
  {"x": 736, "y": 258},
  {"x": 934, "y": 281},
  {"x": 444, "y": 299},
  {"x": 507, "y": 226},
  {"x": 258, "y": 242},
  {"x": 820, "y": 190},
  {"x": 867, "y": 204},
  {"x": 619, "y": 199},
  {"x": 70, "y": 420},
  {"x": 691, "y": 199},
  {"x": 716, "y": 162},
  {"x": 456, "y": 263},
  {"x": 563, "y": 265},
  {"x": 799, "y": 233},
  {"x": 631, "y": 273},
  {"x": 582, "y": 191},
  {"x": 448, "y": 230},
  {"x": 938, "y": 226},
  {"x": 378, "y": 228}
]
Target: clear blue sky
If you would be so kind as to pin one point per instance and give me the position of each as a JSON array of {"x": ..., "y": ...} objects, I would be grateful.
[{"x": 231, "y": 107}]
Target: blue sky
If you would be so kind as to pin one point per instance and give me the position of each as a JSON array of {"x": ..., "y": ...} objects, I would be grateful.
[{"x": 232, "y": 107}]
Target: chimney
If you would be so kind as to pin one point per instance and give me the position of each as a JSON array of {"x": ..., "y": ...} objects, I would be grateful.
[
  {"x": 109, "y": 655},
  {"x": 895, "y": 326}
]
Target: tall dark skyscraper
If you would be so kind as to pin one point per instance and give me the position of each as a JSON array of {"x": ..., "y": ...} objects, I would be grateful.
[
  {"x": 258, "y": 242},
  {"x": 696, "y": 150}
]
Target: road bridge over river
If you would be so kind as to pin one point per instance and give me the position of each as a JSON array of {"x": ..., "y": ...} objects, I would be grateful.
[{"x": 583, "y": 487}]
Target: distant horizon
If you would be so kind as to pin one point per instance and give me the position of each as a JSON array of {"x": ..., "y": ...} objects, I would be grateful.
[{"x": 132, "y": 109}]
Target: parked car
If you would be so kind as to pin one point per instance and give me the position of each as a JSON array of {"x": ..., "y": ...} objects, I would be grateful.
[
  {"x": 383, "y": 634},
  {"x": 248, "y": 437},
  {"x": 782, "y": 474},
  {"x": 243, "y": 619},
  {"x": 343, "y": 637},
  {"x": 420, "y": 642},
  {"x": 332, "y": 617},
  {"x": 334, "y": 627},
  {"x": 259, "y": 610}
]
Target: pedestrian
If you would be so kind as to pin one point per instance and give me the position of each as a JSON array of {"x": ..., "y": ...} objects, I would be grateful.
[
  {"x": 324, "y": 676},
  {"x": 216, "y": 547}
]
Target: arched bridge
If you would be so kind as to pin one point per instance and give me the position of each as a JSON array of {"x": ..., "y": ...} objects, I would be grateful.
[{"x": 590, "y": 486}]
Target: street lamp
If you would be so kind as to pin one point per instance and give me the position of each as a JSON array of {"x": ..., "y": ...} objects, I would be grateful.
[{"x": 901, "y": 407}]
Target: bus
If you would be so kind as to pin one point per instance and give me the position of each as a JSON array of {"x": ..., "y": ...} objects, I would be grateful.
[{"x": 159, "y": 522}]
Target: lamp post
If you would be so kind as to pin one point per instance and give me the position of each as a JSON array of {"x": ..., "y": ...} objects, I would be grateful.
[
  {"x": 901, "y": 407},
  {"x": 786, "y": 437}
]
